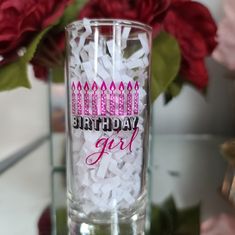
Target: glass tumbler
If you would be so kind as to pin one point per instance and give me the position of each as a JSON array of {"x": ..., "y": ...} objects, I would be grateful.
[{"x": 108, "y": 116}]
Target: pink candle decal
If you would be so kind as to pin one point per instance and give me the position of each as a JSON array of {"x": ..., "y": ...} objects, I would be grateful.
[
  {"x": 112, "y": 99},
  {"x": 136, "y": 99},
  {"x": 86, "y": 99},
  {"x": 94, "y": 99},
  {"x": 129, "y": 99},
  {"x": 73, "y": 99},
  {"x": 103, "y": 99},
  {"x": 79, "y": 99},
  {"x": 121, "y": 100}
]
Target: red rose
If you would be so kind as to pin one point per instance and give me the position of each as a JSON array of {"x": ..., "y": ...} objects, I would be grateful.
[
  {"x": 193, "y": 26},
  {"x": 40, "y": 71},
  {"x": 150, "y": 12},
  {"x": 44, "y": 222},
  {"x": 20, "y": 20},
  {"x": 190, "y": 22}
]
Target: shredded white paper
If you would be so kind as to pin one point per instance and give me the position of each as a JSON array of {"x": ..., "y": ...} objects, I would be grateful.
[{"x": 115, "y": 180}]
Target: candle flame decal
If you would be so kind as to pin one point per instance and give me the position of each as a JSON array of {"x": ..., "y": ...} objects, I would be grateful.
[
  {"x": 73, "y": 86},
  {"x": 94, "y": 87},
  {"x": 79, "y": 86},
  {"x": 129, "y": 86},
  {"x": 103, "y": 86},
  {"x": 112, "y": 86},
  {"x": 136, "y": 86},
  {"x": 121, "y": 86},
  {"x": 86, "y": 87}
]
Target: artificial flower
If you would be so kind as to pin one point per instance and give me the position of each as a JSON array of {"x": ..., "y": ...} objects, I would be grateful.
[
  {"x": 21, "y": 20},
  {"x": 150, "y": 12},
  {"x": 195, "y": 30},
  {"x": 189, "y": 22}
]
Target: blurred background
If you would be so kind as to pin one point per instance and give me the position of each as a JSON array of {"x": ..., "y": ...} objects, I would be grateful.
[
  {"x": 187, "y": 134},
  {"x": 192, "y": 113}
]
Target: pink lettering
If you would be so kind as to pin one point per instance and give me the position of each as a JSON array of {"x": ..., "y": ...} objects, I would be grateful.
[{"x": 106, "y": 144}]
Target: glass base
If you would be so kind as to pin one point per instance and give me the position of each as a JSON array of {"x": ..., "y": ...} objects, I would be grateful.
[
  {"x": 132, "y": 227},
  {"x": 130, "y": 221}
]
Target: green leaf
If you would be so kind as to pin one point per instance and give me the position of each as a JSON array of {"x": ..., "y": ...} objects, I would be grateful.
[
  {"x": 189, "y": 221},
  {"x": 57, "y": 74},
  {"x": 165, "y": 63},
  {"x": 158, "y": 222},
  {"x": 14, "y": 75},
  {"x": 61, "y": 221},
  {"x": 71, "y": 13},
  {"x": 173, "y": 90},
  {"x": 164, "y": 218},
  {"x": 31, "y": 49},
  {"x": 170, "y": 211}
]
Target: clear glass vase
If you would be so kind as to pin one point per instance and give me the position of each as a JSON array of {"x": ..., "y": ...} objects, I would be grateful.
[{"x": 108, "y": 116}]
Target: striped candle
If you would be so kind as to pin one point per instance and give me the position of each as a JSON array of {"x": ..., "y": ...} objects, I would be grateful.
[
  {"x": 103, "y": 99},
  {"x": 73, "y": 99},
  {"x": 121, "y": 100},
  {"x": 79, "y": 99},
  {"x": 136, "y": 99},
  {"x": 86, "y": 99},
  {"x": 129, "y": 99},
  {"x": 94, "y": 99},
  {"x": 112, "y": 99}
]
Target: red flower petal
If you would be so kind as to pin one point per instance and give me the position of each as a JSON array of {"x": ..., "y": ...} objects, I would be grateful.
[
  {"x": 21, "y": 20},
  {"x": 196, "y": 73},
  {"x": 193, "y": 26},
  {"x": 150, "y": 12},
  {"x": 199, "y": 18},
  {"x": 40, "y": 72}
]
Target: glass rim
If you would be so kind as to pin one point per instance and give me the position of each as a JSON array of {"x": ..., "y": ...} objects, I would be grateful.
[{"x": 111, "y": 22}]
